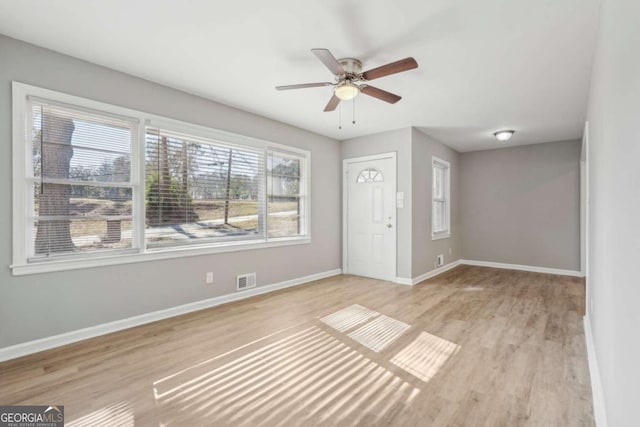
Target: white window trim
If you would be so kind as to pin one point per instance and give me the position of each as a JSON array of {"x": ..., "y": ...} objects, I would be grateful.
[
  {"x": 21, "y": 202},
  {"x": 442, "y": 234}
]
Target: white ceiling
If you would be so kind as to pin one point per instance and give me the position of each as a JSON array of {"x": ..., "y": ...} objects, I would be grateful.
[{"x": 484, "y": 65}]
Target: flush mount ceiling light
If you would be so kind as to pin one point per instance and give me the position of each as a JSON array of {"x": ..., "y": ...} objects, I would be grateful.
[
  {"x": 346, "y": 91},
  {"x": 504, "y": 135}
]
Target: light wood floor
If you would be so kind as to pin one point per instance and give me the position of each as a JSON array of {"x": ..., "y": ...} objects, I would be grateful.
[{"x": 472, "y": 347}]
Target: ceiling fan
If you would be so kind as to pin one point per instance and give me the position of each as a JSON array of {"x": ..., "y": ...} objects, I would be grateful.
[{"x": 350, "y": 80}]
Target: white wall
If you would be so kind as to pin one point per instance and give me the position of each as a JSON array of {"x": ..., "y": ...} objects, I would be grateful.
[
  {"x": 614, "y": 215},
  {"x": 43, "y": 305}
]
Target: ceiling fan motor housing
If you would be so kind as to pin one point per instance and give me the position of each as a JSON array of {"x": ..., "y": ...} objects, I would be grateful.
[{"x": 352, "y": 67}]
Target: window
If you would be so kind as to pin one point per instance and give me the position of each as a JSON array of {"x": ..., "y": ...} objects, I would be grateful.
[
  {"x": 96, "y": 184},
  {"x": 287, "y": 200},
  {"x": 369, "y": 175},
  {"x": 200, "y": 191},
  {"x": 441, "y": 212},
  {"x": 80, "y": 189}
]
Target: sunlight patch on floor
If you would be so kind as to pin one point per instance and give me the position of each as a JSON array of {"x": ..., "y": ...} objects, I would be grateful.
[
  {"x": 379, "y": 333},
  {"x": 116, "y": 415},
  {"x": 424, "y": 357},
  {"x": 348, "y": 317},
  {"x": 302, "y": 376}
]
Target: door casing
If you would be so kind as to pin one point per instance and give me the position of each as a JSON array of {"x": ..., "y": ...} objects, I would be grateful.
[{"x": 345, "y": 206}]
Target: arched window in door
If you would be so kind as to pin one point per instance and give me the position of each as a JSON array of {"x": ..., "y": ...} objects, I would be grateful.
[{"x": 370, "y": 175}]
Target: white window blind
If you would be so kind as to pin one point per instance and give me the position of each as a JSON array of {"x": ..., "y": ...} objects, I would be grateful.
[
  {"x": 286, "y": 194},
  {"x": 81, "y": 189},
  {"x": 440, "y": 198},
  {"x": 199, "y": 190}
]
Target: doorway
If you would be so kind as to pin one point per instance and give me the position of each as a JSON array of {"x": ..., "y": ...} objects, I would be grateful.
[{"x": 369, "y": 216}]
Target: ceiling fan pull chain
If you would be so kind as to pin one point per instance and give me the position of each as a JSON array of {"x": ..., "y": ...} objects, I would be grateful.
[
  {"x": 353, "y": 117},
  {"x": 340, "y": 117}
]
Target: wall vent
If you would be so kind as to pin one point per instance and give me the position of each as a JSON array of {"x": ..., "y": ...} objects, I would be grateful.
[{"x": 245, "y": 281}]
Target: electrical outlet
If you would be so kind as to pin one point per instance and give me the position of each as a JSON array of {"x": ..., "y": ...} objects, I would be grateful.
[
  {"x": 209, "y": 277},
  {"x": 440, "y": 260}
]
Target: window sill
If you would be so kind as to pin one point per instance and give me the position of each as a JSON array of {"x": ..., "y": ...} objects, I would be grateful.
[
  {"x": 151, "y": 255},
  {"x": 440, "y": 236}
]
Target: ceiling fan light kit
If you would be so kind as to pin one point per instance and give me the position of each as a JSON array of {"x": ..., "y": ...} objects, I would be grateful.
[
  {"x": 350, "y": 80},
  {"x": 504, "y": 135},
  {"x": 346, "y": 91}
]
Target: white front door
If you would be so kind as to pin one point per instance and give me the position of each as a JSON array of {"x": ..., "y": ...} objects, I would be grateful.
[{"x": 370, "y": 217}]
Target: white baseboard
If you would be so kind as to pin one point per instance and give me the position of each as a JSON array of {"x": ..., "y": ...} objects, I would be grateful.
[
  {"x": 599, "y": 413},
  {"x": 436, "y": 272},
  {"x": 42, "y": 344},
  {"x": 532, "y": 268},
  {"x": 428, "y": 275}
]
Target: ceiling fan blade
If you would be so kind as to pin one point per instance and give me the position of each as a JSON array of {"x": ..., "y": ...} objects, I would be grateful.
[
  {"x": 333, "y": 103},
  {"x": 302, "y": 86},
  {"x": 329, "y": 61},
  {"x": 392, "y": 68},
  {"x": 380, "y": 94}
]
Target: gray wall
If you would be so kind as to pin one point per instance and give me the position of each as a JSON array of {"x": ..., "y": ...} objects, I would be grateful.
[
  {"x": 425, "y": 250},
  {"x": 613, "y": 283},
  {"x": 416, "y": 251},
  {"x": 386, "y": 142},
  {"x": 38, "y": 306},
  {"x": 521, "y": 205}
]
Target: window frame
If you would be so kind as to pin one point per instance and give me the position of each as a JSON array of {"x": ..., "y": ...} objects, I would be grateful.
[
  {"x": 437, "y": 162},
  {"x": 21, "y": 162},
  {"x": 304, "y": 194},
  {"x": 30, "y": 180}
]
